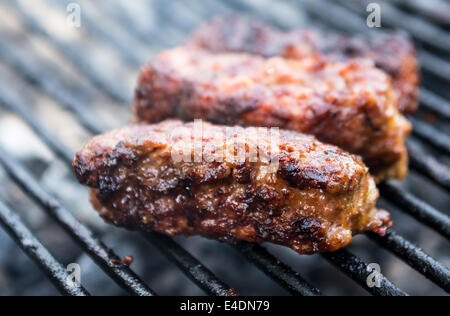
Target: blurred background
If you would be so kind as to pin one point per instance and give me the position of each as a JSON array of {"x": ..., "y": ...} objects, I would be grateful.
[{"x": 53, "y": 71}]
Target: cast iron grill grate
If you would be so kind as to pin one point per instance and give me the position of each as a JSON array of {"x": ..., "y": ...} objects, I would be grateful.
[{"x": 343, "y": 16}]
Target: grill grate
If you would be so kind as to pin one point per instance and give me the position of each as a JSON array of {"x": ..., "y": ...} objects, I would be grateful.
[
  {"x": 55, "y": 271},
  {"x": 103, "y": 256},
  {"x": 348, "y": 263}
]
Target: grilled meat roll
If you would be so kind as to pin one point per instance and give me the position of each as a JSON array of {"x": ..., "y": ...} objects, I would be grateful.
[
  {"x": 350, "y": 104},
  {"x": 313, "y": 199},
  {"x": 392, "y": 52}
]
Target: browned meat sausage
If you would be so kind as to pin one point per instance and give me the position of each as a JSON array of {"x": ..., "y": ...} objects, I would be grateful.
[
  {"x": 393, "y": 53},
  {"x": 314, "y": 200},
  {"x": 350, "y": 104}
]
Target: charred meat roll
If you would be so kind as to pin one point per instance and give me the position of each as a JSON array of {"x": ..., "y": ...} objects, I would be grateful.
[
  {"x": 312, "y": 198},
  {"x": 394, "y": 53},
  {"x": 350, "y": 104}
]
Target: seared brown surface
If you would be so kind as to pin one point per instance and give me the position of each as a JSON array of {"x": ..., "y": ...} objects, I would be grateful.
[
  {"x": 391, "y": 52},
  {"x": 315, "y": 199},
  {"x": 350, "y": 104}
]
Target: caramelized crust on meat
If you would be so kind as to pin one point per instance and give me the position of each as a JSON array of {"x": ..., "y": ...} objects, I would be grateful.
[
  {"x": 392, "y": 52},
  {"x": 349, "y": 104},
  {"x": 314, "y": 200}
]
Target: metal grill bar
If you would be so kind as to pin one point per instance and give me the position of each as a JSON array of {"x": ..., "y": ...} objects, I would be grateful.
[
  {"x": 197, "y": 272},
  {"x": 165, "y": 22},
  {"x": 357, "y": 270},
  {"x": 331, "y": 13},
  {"x": 12, "y": 102},
  {"x": 415, "y": 257},
  {"x": 208, "y": 8},
  {"x": 180, "y": 14},
  {"x": 53, "y": 87},
  {"x": 14, "y": 226},
  {"x": 437, "y": 10},
  {"x": 417, "y": 208},
  {"x": 435, "y": 65},
  {"x": 104, "y": 257},
  {"x": 121, "y": 46},
  {"x": 178, "y": 25},
  {"x": 435, "y": 103},
  {"x": 243, "y": 6},
  {"x": 275, "y": 269},
  {"x": 419, "y": 28},
  {"x": 431, "y": 135},
  {"x": 429, "y": 166},
  {"x": 135, "y": 29},
  {"x": 78, "y": 59}
]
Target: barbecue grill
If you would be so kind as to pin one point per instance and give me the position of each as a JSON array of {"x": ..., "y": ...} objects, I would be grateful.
[{"x": 131, "y": 41}]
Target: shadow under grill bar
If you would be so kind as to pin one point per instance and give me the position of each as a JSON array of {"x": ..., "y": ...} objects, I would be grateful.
[{"x": 17, "y": 230}]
